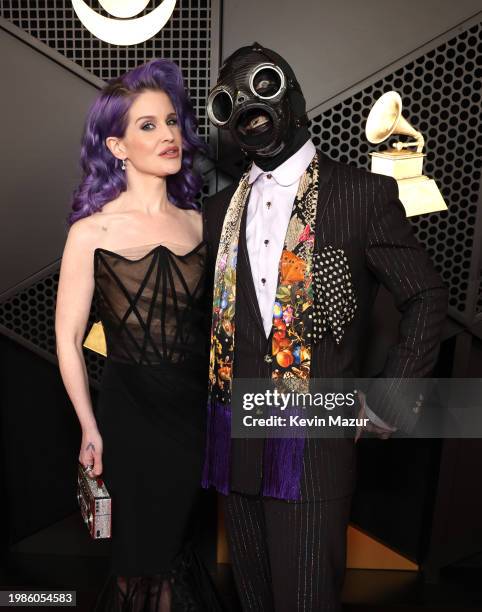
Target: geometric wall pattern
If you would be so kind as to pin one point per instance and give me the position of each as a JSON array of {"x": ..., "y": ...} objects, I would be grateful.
[
  {"x": 441, "y": 95},
  {"x": 185, "y": 39}
]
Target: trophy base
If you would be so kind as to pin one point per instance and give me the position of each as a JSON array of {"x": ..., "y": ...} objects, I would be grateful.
[
  {"x": 420, "y": 195},
  {"x": 399, "y": 164}
]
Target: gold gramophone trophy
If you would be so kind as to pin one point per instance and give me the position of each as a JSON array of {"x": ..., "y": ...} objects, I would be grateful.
[{"x": 418, "y": 193}]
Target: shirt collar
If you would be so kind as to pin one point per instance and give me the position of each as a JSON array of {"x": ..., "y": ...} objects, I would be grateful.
[{"x": 290, "y": 170}]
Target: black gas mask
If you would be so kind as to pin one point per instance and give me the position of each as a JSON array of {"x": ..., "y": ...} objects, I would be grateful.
[{"x": 258, "y": 99}]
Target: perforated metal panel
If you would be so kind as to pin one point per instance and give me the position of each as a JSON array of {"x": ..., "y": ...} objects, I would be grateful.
[
  {"x": 185, "y": 39},
  {"x": 441, "y": 94},
  {"x": 29, "y": 315}
]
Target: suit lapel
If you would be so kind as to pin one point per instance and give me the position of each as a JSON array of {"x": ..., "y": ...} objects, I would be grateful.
[
  {"x": 325, "y": 187},
  {"x": 245, "y": 276}
]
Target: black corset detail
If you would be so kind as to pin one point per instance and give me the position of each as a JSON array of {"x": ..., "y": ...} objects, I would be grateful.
[{"x": 153, "y": 309}]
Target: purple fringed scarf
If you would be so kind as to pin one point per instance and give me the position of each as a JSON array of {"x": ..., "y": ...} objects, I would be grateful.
[{"x": 291, "y": 345}]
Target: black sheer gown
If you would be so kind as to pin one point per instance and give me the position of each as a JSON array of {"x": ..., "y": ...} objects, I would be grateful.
[{"x": 151, "y": 416}]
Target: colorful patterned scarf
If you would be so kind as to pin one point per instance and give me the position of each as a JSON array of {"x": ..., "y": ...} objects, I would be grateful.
[{"x": 291, "y": 338}]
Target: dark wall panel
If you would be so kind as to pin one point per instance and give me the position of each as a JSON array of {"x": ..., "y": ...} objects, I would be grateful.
[
  {"x": 40, "y": 441},
  {"x": 333, "y": 45},
  {"x": 43, "y": 113}
]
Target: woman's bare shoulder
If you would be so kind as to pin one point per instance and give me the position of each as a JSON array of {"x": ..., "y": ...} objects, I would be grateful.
[
  {"x": 84, "y": 235},
  {"x": 93, "y": 226},
  {"x": 84, "y": 227}
]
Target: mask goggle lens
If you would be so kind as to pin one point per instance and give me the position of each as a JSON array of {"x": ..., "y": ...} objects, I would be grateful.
[
  {"x": 220, "y": 107},
  {"x": 267, "y": 81}
]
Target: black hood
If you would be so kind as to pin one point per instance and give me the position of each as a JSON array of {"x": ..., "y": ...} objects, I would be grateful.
[{"x": 268, "y": 129}]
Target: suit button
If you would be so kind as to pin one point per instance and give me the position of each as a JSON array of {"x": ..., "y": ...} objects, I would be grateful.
[{"x": 268, "y": 358}]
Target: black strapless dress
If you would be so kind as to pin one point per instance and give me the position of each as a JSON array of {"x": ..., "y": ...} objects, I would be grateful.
[{"x": 151, "y": 416}]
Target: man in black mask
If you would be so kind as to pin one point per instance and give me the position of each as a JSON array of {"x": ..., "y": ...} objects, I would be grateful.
[
  {"x": 298, "y": 248},
  {"x": 259, "y": 99}
]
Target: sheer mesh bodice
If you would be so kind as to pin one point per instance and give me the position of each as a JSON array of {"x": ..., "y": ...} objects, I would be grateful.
[{"x": 152, "y": 307}]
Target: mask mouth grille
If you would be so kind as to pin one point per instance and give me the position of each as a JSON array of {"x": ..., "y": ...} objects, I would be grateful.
[
  {"x": 267, "y": 81},
  {"x": 255, "y": 126},
  {"x": 220, "y": 107}
]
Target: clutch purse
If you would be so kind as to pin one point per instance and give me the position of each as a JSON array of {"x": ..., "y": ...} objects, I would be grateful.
[
  {"x": 95, "y": 340},
  {"x": 95, "y": 504}
]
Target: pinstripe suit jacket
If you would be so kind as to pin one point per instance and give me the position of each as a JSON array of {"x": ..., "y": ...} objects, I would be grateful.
[{"x": 359, "y": 212}]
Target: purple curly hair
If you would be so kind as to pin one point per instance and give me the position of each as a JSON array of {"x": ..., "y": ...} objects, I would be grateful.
[{"x": 103, "y": 180}]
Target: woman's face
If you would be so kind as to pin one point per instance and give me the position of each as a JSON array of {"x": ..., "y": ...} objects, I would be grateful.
[{"x": 153, "y": 140}]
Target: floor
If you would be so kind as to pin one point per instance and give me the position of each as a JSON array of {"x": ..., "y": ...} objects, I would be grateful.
[{"x": 76, "y": 562}]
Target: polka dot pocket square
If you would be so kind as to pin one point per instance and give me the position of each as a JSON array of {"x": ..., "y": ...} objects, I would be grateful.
[{"x": 334, "y": 298}]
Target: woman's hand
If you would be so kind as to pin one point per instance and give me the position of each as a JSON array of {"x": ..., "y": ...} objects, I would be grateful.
[{"x": 91, "y": 452}]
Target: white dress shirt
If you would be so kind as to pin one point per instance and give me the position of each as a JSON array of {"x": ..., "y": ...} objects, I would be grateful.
[{"x": 269, "y": 211}]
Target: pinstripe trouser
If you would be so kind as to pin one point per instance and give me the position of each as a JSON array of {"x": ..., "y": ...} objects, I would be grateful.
[{"x": 287, "y": 557}]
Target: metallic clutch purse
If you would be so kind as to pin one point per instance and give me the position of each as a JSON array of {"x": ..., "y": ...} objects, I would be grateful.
[
  {"x": 95, "y": 340},
  {"x": 95, "y": 504}
]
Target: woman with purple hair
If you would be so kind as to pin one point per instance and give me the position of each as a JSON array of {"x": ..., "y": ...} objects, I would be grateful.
[{"x": 136, "y": 243}]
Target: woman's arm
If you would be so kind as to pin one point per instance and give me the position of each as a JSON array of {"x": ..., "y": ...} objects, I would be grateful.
[{"x": 74, "y": 299}]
